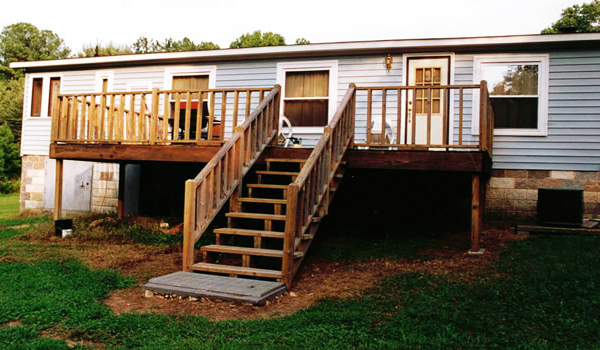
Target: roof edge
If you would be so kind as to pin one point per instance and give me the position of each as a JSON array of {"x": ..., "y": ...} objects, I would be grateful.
[{"x": 309, "y": 49}]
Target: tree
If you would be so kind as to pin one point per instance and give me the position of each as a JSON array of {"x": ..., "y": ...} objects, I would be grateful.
[
  {"x": 108, "y": 50},
  {"x": 25, "y": 42},
  {"x": 145, "y": 45},
  {"x": 258, "y": 39},
  {"x": 10, "y": 161},
  {"x": 11, "y": 105},
  {"x": 302, "y": 41},
  {"x": 577, "y": 19}
]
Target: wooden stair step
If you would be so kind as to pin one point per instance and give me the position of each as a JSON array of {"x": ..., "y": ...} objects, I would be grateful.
[
  {"x": 280, "y": 187},
  {"x": 262, "y": 200},
  {"x": 273, "y": 172},
  {"x": 214, "y": 248},
  {"x": 236, "y": 270},
  {"x": 261, "y": 216},
  {"x": 285, "y": 160},
  {"x": 248, "y": 232}
]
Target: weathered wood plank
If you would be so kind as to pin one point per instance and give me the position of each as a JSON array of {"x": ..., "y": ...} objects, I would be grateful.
[
  {"x": 416, "y": 160},
  {"x": 115, "y": 152}
]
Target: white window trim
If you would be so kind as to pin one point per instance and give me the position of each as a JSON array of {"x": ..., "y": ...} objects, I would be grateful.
[
  {"x": 171, "y": 72},
  {"x": 45, "y": 89},
  {"x": 302, "y": 66},
  {"x": 543, "y": 82},
  {"x": 101, "y": 75}
]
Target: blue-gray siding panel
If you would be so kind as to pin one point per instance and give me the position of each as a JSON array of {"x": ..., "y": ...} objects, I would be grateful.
[{"x": 573, "y": 140}]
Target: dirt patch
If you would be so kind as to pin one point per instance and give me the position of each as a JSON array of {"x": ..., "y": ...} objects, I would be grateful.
[
  {"x": 15, "y": 323},
  {"x": 316, "y": 280}
]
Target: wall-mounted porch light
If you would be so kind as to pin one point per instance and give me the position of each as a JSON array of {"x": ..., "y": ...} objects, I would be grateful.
[{"x": 388, "y": 62}]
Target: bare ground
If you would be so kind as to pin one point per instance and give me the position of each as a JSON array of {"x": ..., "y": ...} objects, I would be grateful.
[{"x": 316, "y": 279}]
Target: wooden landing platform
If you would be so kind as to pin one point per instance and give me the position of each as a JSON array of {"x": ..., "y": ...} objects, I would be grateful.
[{"x": 199, "y": 285}]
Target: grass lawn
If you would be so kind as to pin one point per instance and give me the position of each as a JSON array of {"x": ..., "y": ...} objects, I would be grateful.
[
  {"x": 541, "y": 293},
  {"x": 9, "y": 205}
]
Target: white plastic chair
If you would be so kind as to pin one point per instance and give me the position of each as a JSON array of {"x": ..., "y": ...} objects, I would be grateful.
[
  {"x": 288, "y": 133},
  {"x": 389, "y": 133}
]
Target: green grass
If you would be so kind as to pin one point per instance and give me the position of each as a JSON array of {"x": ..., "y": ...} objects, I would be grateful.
[
  {"x": 9, "y": 205},
  {"x": 543, "y": 293}
]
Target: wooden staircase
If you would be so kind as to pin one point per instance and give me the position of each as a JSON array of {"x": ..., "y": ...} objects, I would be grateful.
[
  {"x": 252, "y": 242},
  {"x": 275, "y": 207}
]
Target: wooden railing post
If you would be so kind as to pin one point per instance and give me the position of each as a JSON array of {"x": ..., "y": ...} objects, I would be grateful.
[
  {"x": 154, "y": 117},
  {"x": 189, "y": 223},
  {"x": 289, "y": 238},
  {"x": 483, "y": 109}
]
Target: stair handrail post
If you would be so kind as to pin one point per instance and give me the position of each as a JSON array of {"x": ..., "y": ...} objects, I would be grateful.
[
  {"x": 289, "y": 238},
  {"x": 189, "y": 224},
  {"x": 352, "y": 117},
  {"x": 483, "y": 109}
]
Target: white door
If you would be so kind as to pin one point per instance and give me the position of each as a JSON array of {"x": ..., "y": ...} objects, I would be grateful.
[{"x": 426, "y": 72}]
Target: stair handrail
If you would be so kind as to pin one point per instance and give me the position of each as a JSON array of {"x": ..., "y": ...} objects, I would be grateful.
[
  {"x": 306, "y": 194},
  {"x": 206, "y": 194}
]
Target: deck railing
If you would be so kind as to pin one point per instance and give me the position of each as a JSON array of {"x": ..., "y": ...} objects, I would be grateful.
[
  {"x": 422, "y": 117},
  {"x": 308, "y": 195},
  {"x": 152, "y": 117},
  {"x": 209, "y": 191}
]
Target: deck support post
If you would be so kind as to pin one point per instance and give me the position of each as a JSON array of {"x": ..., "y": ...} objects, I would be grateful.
[
  {"x": 58, "y": 185},
  {"x": 189, "y": 208},
  {"x": 121, "y": 202},
  {"x": 476, "y": 212}
]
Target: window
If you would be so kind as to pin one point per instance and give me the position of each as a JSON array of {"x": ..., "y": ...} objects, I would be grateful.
[
  {"x": 309, "y": 92},
  {"x": 306, "y": 100},
  {"x": 44, "y": 88},
  {"x": 54, "y": 91},
  {"x": 36, "y": 97},
  {"x": 518, "y": 88}
]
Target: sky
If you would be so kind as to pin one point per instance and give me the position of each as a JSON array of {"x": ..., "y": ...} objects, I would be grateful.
[{"x": 85, "y": 23}]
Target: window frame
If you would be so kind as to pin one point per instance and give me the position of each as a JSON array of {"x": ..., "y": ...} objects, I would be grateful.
[
  {"x": 542, "y": 60},
  {"x": 307, "y": 66},
  {"x": 109, "y": 75},
  {"x": 171, "y": 72},
  {"x": 45, "y": 101}
]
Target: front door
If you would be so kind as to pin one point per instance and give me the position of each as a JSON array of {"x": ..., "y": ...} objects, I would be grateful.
[{"x": 427, "y": 111}]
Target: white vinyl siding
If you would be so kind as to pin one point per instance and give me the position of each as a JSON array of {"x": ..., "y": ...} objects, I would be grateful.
[{"x": 572, "y": 143}]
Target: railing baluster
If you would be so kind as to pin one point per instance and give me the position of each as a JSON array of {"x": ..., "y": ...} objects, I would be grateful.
[
  {"x": 199, "y": 116},
  {"x": 188, "y": 116},
  {"x": 223, "y": 115},
  {"x": 176, "y": 116},
  {"x": 236, "y": 101},
  {"x": 383, "y": 111},
  {"x": 165, "y": 118},
  {"x": 460, "y": 116},
  {"x": 369, "y": 111},
  {"x": 211, "y": 116}
]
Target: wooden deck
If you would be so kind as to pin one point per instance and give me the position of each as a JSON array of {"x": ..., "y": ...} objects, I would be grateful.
[{"x": 277, "y": 196}]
